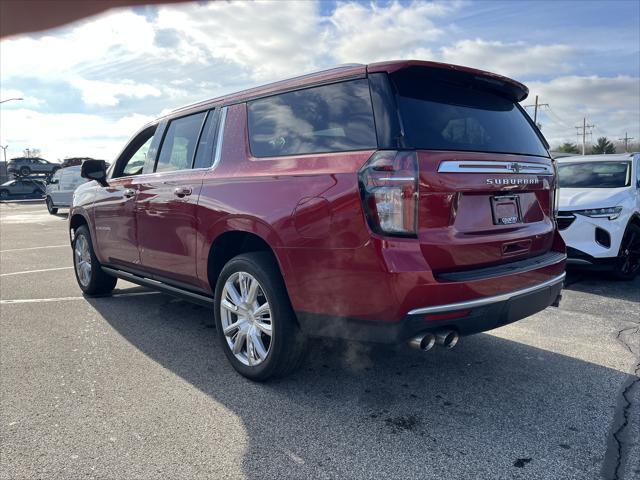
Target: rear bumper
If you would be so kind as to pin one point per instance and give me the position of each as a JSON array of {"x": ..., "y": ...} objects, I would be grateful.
[{"x": 476, "y": 316}]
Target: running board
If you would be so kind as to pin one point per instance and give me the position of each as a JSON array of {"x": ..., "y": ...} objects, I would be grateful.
[{"x": 160, "y": 286}]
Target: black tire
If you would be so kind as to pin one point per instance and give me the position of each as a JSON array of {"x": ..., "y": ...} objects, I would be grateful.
[
  {"x": 25, "y": 171},
  {"x": 98, "y": 282},
  {"x": 52, "y": 210},
  {"x": 628, "y": 262},
  {"x": 4, "y": 194},
  {"x": 287, "y": 343}
]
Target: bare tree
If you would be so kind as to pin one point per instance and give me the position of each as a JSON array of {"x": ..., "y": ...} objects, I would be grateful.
[{"x": 31, "y": 152}]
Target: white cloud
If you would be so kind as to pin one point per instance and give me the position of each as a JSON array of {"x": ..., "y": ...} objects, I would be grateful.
[
  {"x": 95, "y": 92},
  {"x": 110, "y": 37},
  {"x": 611, "y": 103},
  {"x": 123, "y": 63},
  {"x": 68, "y": 134},
  {"x": 265, "y": 39},
  {"x": 509, "y": 59},
  {"x": 369, "y": 33},
  {"x": 27, "y": 101}
]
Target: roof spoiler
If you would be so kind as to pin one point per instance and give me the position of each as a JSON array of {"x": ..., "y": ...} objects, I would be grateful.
[{"x": 503, "y": 86}]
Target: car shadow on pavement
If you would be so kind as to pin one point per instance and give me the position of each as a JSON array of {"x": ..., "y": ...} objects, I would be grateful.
[
  {"x": 602, "y": 283},
  {"x": 490, "y": 408}
]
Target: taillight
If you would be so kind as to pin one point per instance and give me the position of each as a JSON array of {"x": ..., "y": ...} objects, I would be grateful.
[
  {"x": 389, "y": 189},
  {"x": 555, "y": 194}
]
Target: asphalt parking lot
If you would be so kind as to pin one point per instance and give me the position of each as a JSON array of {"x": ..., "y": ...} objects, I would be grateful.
[{"x": 133, "y": 386}]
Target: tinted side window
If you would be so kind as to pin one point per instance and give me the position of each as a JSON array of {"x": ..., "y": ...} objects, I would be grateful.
[
  {"x": 179, "y": 144},
  {"x": 131, "y": 161},
  {"x": 329, "y": 118},
  {"x": 136, "y": 162},
  {"x": 204, "y": 153}
]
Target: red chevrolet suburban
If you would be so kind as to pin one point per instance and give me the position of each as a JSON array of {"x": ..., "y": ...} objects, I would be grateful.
[{"x": 404, "y": 201}]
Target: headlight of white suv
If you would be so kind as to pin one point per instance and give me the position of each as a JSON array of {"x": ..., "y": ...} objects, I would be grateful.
[{"x": 611, "y": 213}]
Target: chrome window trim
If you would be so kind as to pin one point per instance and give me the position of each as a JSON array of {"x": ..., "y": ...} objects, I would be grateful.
[
  {"x": 478, "y": 166},
  {"x": 486, "y": 301},
  {"x": 219, "y": 138}
]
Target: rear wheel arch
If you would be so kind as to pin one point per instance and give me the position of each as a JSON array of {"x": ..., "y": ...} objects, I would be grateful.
[{"x": 230, "y": 244}]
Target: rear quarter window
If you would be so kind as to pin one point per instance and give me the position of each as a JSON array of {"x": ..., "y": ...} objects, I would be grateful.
[{"x": 327, "y": 118}]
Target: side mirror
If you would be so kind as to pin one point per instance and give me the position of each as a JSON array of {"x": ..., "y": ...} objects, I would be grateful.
[{"x": 94, "y": 170}]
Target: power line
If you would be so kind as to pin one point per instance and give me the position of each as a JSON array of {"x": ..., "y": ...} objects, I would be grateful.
[
  {"x": 535, "y": 111},
  {"x": 626, "y": 141},
  {"x": 582, "y": 130}
]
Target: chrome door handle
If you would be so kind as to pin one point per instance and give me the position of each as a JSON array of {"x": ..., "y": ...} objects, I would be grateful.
[
  {"x": 129, "y": 192},
  {"x": 182, "y": 191}
]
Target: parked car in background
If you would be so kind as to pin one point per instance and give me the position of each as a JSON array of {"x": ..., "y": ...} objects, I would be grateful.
[
  {"x": 599, "y": 211},
  {"x": 31, "y": 166},
  {"x": 21, "y": 186},
  {"x": 73, "y": 161},
  {"x": 396, "y": 202},
  {"x": 60, "y": 188}
]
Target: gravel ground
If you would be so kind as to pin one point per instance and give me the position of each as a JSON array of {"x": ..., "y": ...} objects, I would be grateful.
[{"x": 135, "y": 387}]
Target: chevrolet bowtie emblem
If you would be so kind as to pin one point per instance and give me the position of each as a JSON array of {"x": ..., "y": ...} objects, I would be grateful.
[{"x": 514, "y": 167}]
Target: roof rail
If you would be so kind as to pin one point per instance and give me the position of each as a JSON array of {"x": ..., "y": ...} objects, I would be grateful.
[{"x": 343, "y": 66}]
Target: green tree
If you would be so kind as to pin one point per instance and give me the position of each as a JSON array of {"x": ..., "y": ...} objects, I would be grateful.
[
  {"x": 604, "y": 145},
  {"x": 568, "y": 147}
]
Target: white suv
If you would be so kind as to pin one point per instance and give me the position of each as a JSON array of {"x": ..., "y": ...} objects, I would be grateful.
[{"x": 599, "y": 211}]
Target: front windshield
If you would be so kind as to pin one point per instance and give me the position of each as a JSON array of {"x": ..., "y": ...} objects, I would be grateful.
[
  {"x": 595, "y": 174},
  {"x": 10, "y": 182}
]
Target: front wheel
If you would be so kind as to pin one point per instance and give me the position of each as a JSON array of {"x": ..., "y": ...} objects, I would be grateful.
[
  {"x": 628, "y": 263},
  {"x": 89, "y": 274},
  {"x": 52, "y": 210},
  {"x": 25, "y": 171},
  {"x": 256, "y": 325}
]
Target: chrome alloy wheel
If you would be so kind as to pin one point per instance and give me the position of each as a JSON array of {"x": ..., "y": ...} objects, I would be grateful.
[
  {"x": 82, "y": 260},
  {"x": 246, "y": 318}
]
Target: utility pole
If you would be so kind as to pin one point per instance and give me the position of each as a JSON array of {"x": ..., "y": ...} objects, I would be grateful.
[
  {"x": 626, "y": 140},
  {"x": 535, "y": 110},
  {"x": 582, "y": 130},
  {"x": 6, "y": 165}
]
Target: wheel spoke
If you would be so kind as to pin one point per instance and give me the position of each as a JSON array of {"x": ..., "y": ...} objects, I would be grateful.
[
  {"x": 239, "y": 339},
  {"x": 264, "y": 327},
  {"x": 233, "y": 294},
  {"x": 230, "y": 329},
  {"x": 258, "y": 346},
  {"x": 229, "y": 306},
  {"x": 243, "y": 281},
  {"x": 262, "y": 310},
  {"x": 252, "y": 290},
  {"x": 251, "y": 355}
]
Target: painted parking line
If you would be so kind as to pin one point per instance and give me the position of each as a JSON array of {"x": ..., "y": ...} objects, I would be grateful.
[
  {"x": 67, "y": 299},
  {"x": 34, "y": 248},
  {"x": 35, "y": 271}
]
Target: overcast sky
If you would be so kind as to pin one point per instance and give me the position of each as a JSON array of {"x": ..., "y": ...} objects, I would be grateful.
[{"x": 89, "y": 85}]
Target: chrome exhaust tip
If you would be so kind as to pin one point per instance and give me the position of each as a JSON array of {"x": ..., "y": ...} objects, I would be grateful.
[
  {"x": 423, "y": 342},
  {"x": 447, "y": 338}
]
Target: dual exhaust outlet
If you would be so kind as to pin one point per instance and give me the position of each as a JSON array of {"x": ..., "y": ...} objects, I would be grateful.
[{"x": 443, "y": 338}]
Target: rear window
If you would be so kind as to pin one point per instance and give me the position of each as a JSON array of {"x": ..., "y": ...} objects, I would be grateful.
[
  {"x": 441, "y": 115},
  {"x": 594, "y": 174},
  {"x": 328, "y": 118}
]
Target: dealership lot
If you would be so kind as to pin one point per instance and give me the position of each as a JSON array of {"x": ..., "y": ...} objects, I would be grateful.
[{"x": 135, "y": 386}]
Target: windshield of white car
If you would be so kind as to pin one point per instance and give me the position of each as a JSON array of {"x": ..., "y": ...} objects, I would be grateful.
[{"x": 594, "y": 174}]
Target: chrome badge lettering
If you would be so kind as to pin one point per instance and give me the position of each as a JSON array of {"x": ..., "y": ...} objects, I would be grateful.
[{"x": 513, "y": 181}]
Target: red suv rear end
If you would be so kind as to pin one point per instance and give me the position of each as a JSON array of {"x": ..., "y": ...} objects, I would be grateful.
[{"x": 394, "y": 202}]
